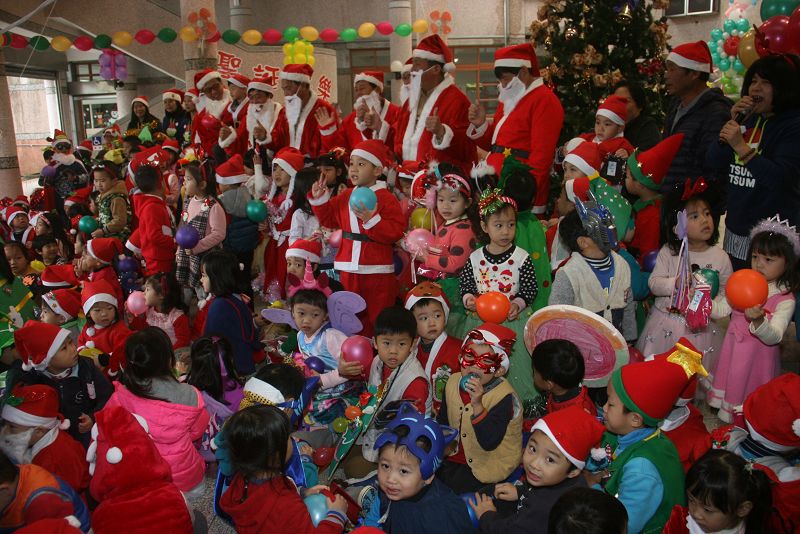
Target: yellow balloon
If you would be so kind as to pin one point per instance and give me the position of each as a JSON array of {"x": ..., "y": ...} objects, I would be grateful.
[
  {"x": 187, "y": 34},
  {"x": 60, "y": 43},
  {"x": 251, "y": 37},
  {"x": 299, "y": 47},
  {"x": 311, "y": 60},
  {"x": 287, "y": 60},
  {"x": 300, "y": 59},
  {"x": 122, "y": 38},
  {"x": 309, "y": 33},
  {"x": 420, "y": 26},
  {"x": 366, "y": 30},
  {"x": 309, "y": 49},
  {"x": 287, "y": 49},
  {"x": 747, "y": 49},
  {"x": 422, "y": 218}
]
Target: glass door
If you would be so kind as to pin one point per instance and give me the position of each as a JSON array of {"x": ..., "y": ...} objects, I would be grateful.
[{"x": 96, "y": 114}]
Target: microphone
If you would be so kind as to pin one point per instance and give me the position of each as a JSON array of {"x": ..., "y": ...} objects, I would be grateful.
[{"x": 743, "y": 115}]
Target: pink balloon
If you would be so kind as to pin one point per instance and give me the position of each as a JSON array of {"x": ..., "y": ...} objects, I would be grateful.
[
  {"x": 335, "y": 239},
  {"x": 358, "y": 349},
  {"x": 418, "y": 240},
  {"x": 136, "y": 303}
]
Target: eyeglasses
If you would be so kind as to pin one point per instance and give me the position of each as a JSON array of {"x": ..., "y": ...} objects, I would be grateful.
[{"x": 63, "y": 146}]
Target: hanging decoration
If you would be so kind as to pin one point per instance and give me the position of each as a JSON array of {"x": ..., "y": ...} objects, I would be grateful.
[
  {"x": 113, "y": 65},
  {"x": 440, "y": 22}
]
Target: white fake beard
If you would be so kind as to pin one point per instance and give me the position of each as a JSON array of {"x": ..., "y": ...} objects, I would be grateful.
[
  {"x": 511, "y": 94},
  {"x": 415, "y": 88},
  {"x": 262, "y": 113},
  {"x": 405, "y": 92},
  {"x": 293, "y": 108},
  {"x": 372, "y": 101},
  {"x": 17, "y": 446},
  {"x": 216, "y": 107}
]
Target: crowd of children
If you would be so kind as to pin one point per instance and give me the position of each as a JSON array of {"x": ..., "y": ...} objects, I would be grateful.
[{"x": 386, "y": 346}]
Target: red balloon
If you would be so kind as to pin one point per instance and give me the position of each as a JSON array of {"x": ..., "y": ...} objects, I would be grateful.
[
  {"x": 793, "y": 31},
  {"x": 323, "y": 456},
  {"x": 144, "y": 37},
  {"x": 493, "y": 307},
  {"x": 272, "y": 36},
  {"x": 358, "y": 349},
  {"x": 216, "y": 36},
  {"x": 18, "y": 41},
  {"x": 746, "y": 288},
  {"x": 83, "y": 43},
  {"x": 384, "y": 28},
  {"x": 329, "y": 35},
  {"x": 772, "y": 37},
  {"x": 351, "y": 412},
  {"x": 731, "y": 45}
]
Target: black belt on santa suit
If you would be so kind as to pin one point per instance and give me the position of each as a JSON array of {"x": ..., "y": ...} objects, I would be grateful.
[
  {"x": 516, "y": 152},
  {"x": 356, "y": 237}
]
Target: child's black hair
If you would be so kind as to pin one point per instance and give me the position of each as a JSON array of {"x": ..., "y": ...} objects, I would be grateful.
[
  {"x": 674, "y": 203},
  {"x": 559, "y": 361},
  {"x": 109, "y": 167},
  {"x": 166, "y": 285},
  {"x": 56, "y": 224},
  {"x": 521, "y": 186},
  {"x": 782, "y": 71},
  {"x": 22, "y": 248},
  {"x": 724, "y": 480},
  {"x": 203, "y": 172},
  {"x": 312, "y": 297},
  {"x": 132, "y": 140},
  {"x": 148, "y": 355},
  {"x": 256, "y": 438},
  {"x": 303, "y": 181},
  {"x": 147, "y": 178},
  {"x": 221, "y": 267},
  {"x": 570, "y": 229},
  {"x": 777, "y": 245},
  {"x": 41, "y": 241},
  {"x": 587, "y": 511},
  {"x": 286, "y": 378},
  {"x": 208, "y": 354},
  {"x": 395, "y": 320},
  {"x": 76, "y": 209},
  {"x": 48, "y": 153}
]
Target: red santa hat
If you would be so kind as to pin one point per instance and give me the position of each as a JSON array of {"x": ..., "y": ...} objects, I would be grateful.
[
  {"x": 293, "y": 72},
  {"x": 81, "y": 196},
  {"x": 59, "y": 276},
  {"x": 173, "y": 94},
  {"x": 375, "y": 77},
  {"x": 120, "y": 447},
  {"x": 98, "y": 291},
  {"x": 408, "y": 169},
  {"x": 85, "y": 146},
  {"x": 614, "y": 108},
  {"x": 692, "y": 56},
  {"x": 12, "y": 212},
  {"x": 151, "y": 156},
  {"x": 172, "y": 145},
  {"x": 687, "y": 394},
  {"x": 37, "y": 343},
  {"x": 408, "y": 65},
  {"x": 650, "y": 167},
  {"x": 232, "y": 171},
  {"x": 239, "y": 80},
  {"x": 651, "y": 388},
  {"x": 431, "y": 291},
  {"x": 133, "y": 243},
  {"x": 772, "y": 413},
  {"x": 574, "y": 431},
  {"x": 142, "y": 100},
  {"x": 64, "y": 302},
  {"x": 577, "y": 189},
  {"x": 59, "y": 137},
  {"x": 586, "y": 157},
  {"x": 203, "y": 77},
  {"x": 500, "y": 338},
  {"x": 260, "y": 84},
  {"x": 292, "y": 161},
  {"x": 373, "y": 150},
  {"x": 34, "y": 406},
  {"x": 433, "y": 48},
  {"x": 104, "y": 249},
  {"x": 112, "y": 131},
  {"x": 21, "y": 201},
  {"x": 305, "y": 249},
  {"x": 193, "y": 93},
  {"x": 516, "y": 56}
]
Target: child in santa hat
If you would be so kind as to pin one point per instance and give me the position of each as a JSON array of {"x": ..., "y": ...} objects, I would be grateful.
[
  {"x": 643, "y": 467},
  {"x": 49, "y": 356},
  {"x": 59, "y": 276},
  {"x": 34, "y": 432},
  {"x": 484, "y": 407},
  {"x": 609, "y": 128},
  {"x": 553, "y": 460},
  {"x": 97, "y": 263},
  {"x": 156, "y": 224},
  {"x": 20, "y": 226},
  {"x": 364, "y": 258},
  {"x": 104, "y": 332},
  {"x": 62, "y": 307}
]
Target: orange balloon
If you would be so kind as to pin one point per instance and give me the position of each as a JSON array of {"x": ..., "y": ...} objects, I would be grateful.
[
  {"x": 746, "y": 288},
  {"x": 352, "y": 412},
  {"x": 493, "y": 307}
]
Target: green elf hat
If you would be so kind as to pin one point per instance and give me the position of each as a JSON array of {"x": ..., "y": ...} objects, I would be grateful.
[
  {"x": 652, "y": 388},
  {"x": 649, "y": 167},
  {"x": 606, "y": 195}
]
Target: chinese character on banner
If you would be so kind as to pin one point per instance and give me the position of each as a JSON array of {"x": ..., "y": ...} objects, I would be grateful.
[
  {"x": 228, "y": 64},
  {"x": 268, "y": 72},
  {"x": 324, "y": 88}
]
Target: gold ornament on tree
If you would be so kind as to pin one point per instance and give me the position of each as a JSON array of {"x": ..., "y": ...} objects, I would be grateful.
[
  {"x": 570, "y": 33},
  {"x": 548, "y": 43},
  {"x": 625, "y": 15}
]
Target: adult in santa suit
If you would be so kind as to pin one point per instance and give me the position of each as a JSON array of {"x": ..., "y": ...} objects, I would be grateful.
[
  {"x": 212, "y": 109},
  {"x": 433, "y": 122},
  {"x": 262, "y": 113},
  {"x": 527, "y": 122},
  {"x": 405, "y": 89},
  {"x": 297, "y": 124},
  {"x": 233, "y": 136},
  {"x": 372, "y": 116}
]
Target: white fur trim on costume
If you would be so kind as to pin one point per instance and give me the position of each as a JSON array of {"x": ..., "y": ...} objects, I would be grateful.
[
  {"x": 476, "y": 132},
  {"x": 90, "y": 344},
  {"x": 481, "y": 169},
  {"x": 56, "y": 307},
  {"x": 581, "y": 163},
  {"x": 369, "y": 156},
  {"x": 207, "y": 78},
  {"x": 23, "y": 418},
  {"x": 573, "y": 143},
  {"x": 796, "y": 427},
  {"x": 259, "y": 86},
  {"x": 300, "y": 253},
  {"x": 169, "y": 95},
  {"x": 447, "y": 138},
  {"x": 294, "y": 77},
  {"x": 114, "y": 455},
  {"x": 542, "y": 425},
  {"x": 264, "y": 390},
  {"x": 321, "y": 200},
  {"x": 283, "y": 164},
  {"x": 228, "y": 141},
  {"x": 512, "y": 62},
  {"x": 90, "y": 250},
  {"x": 687, "y": 63},
  {"x": 73, "y": 521},
  {"x": 430, "y": 56},
  {"x": 361, "y": 77},
  {"x": 99, "y": 297},
  {"x": 607, "y": 113},
  {"x": 228, "y": 180},
  {"x": 142, "y": 101}
]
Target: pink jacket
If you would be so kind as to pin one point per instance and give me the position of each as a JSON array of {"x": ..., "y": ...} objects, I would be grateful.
[{"x": 173, "y": 428}]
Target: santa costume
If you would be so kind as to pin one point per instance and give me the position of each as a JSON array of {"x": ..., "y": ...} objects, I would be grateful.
[
  {"x": 66, "y": 302},
  {"x": 156, "y": 232},
  {"x": 24, "y": 236},
  {"x": 526, "y": 124},
  {"x": 364, "y": 258},
  {"x": 412, "y": 141},
  {"x": 265, "y": 115},
  {"x": 37, "y": 406},
  {"x": 124, "y": 490},
  {"x": 235, "y": 117},
  {"x": 106, "y": 250},
  {"x": 615, "y": 109},
  {"x": 109, "y": 339},
  {"x": 211, "y": 114}
]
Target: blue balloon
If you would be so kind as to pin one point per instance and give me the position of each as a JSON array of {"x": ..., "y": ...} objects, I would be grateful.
[
  {"x": 724, "y": 64},
  {"x": 317, "y": 506},
  {"x": 363, "y": 195},
  {"x": 315, "y": 364},
  {"x": 729, "y": 25},
  {"x": 649, "y": 261},
  {"x": 743, "y": 25},
  {"x": 462, "y": 384},
  {"x": 716, "y": 34},
  {"x": 470, "y": 498}
]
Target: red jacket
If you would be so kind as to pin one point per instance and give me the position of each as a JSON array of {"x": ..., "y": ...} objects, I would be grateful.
[
  {"x": 65, "y": 458},
  {"x": 610, "y": 146},
  {"x": 110, "y": 340},
  {"x": 582, "y": 400},
  {"x": 306, "y": 137},
  {"x": 156, "y": 233},
  {"x": 691, "y": 438},
  {"x": 647, "y": 234},
  {"x": 444, "y": 363},
  {"x": 348, "y": 135},
  {"x": 238, "y": 142}
]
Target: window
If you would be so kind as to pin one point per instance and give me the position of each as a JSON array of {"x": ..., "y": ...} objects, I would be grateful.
[
  {"x": 682, "y": 8},
  {"x": 86, "y": 72},
  {"x": 475, "y": 75}
]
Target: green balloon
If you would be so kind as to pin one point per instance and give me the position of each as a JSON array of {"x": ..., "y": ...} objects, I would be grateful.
[
  {"x": 339, "y": 424},
  {"x": 712, "y": 278},
  {"x": 403, "y": 30},
  {"x": 291, "y": 33},
  {"x": 39, "y": 42},
  {"x": 743, "y": 25},
  {"x": 167, "y": 35},
  {"x": 231, "y": 36},
  {"x": 102, "y": 41},
  {"x": 771, "y": 8},
  {"x": 348, "y": 34}
]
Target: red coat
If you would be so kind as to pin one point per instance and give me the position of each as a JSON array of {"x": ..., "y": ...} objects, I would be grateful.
[
  {"x": 238, "y": 141},
  {"x": 65, "y": 458},
  {"x": 533, "y": 126},
  {"x": 156, "y": 230},
  {"x": 370, "y": 256},
  {"x": 306, "y": 137},
  {"x": 647, "y": 232},
  {"x": 110, "y": 340},
  {"x": 677, "y": 521},
  {"x": 582, "y": 400},
  {"x": 691, "y": 438},
  {"x": 609, "y": 146},
  {"x": 439, "y": 364},
  {"x": 348, "y": 135},
  {"x": 413, "y": 142}
]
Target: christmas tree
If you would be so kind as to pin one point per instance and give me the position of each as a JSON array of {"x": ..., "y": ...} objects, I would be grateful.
[{"x": 592, "y": 45}]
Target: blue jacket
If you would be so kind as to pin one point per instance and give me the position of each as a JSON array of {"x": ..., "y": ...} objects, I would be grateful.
[
  {"x": 229, "y": 316},
  {"x": 434, "y": 510}
]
